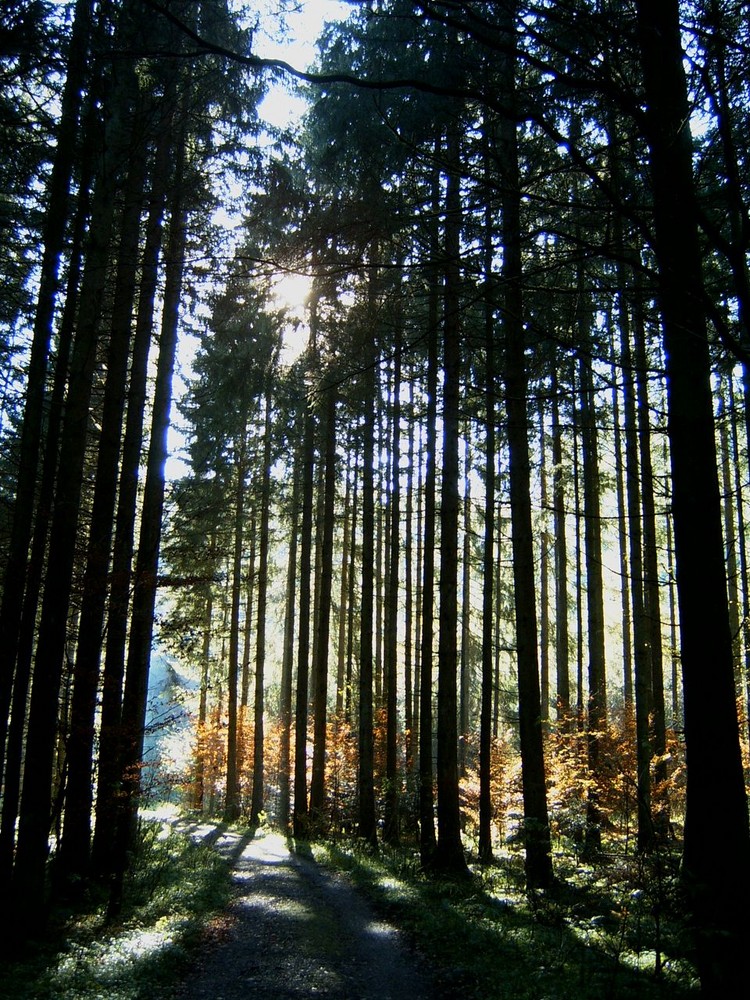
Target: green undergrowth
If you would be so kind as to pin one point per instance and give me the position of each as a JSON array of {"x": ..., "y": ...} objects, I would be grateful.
[
  {"x": 609, "y": 933},
  {"x": 613, "y": 931},
  {"x": 175, "y": 886}
]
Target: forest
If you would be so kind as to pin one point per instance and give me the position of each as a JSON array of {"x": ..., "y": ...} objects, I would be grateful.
[{"x": 413, "y": 435}]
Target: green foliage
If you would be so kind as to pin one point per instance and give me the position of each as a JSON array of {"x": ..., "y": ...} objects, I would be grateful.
[
  {"x": 614, "y": 931},
  {"x": 173, "y": 888}
]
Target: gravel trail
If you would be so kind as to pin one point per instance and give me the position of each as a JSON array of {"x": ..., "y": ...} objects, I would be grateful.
[{"x": 295, "y": 931}]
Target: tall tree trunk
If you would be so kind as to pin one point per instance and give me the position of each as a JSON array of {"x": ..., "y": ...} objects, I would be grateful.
[
  {"x": 677, "y": 715},
  {"x": 73, "y": 859},
  {"x": 199, "y": 781},
  {"x": 122, "y": 553},
  {"x": 579, "y": 588},
  {"x": 257, "y": 803},
  {"x": 636, "y": 487},
  {"x": 465, "y": 677},
  {"x": 729, "y": 519},
  {"x": 144, "y": 596},
  {"x": 488, "y": 560},
  {"x": 543, "y": 572},
  {"x": 718, "y": 882},
  {"x": 347, "y": 542},
  {"x": 409, "y": 591},
  {"x": 622, "y": 539},
  {"x": 418, "y": 608},
  {"x": 318, "y": 517},
  {"x": 36, "y": 800},
  {"x": 562, "y": 639},
  {"x": 651, "y": 582},
  {"x": 742, "y": 551},
  {"x": 285, "y": 696},
  {"x": 380, "y": 546},
  {"x": 250, "y": 580},
  {"x": 300, "y": 815},
  {"x": 24, "y": 653},
  {"x": 641, "y": 638},
  {"x": 366, "y": 806},
  {"x": 391, "y": 833},
  {"x": 449, "y": 854},
  {"x": 536, "y": 824},
  {"x": 56, "y": 218},
  {"x": 232, "y": 796},
  {"x": 502, "y": 613},
  {"x": 596, "y": 719},
  {"x": 349, "y": 673},
  {"x": 427, "y": 839},
  {"x": 320, "y": 694}
]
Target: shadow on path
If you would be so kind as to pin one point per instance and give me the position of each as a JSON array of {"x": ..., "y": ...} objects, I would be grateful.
[{"x": 296, "y": 931}]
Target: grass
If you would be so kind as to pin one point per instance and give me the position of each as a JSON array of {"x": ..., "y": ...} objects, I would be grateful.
[
  {"x": 172, "y": 892},
  {"x": 610, "y": 933}
]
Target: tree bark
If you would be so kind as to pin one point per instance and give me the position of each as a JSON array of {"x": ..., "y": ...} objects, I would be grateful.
[
  {"x": 258, "y": 798},
  {"x": 122, "y": 553},
  {"x": 391, "y": 832},
  {"x": 717, "y": 882},
  {"x": 596, "y": 719},
  {"x": 488, "y": 560},
  {"x": 465, "y": 671},
  {"x": 641, "y": 643},
  {"x": 562, "y": 636},
  {"x": 449, "y": 854},
  {"x": 651, "y": 583},
  {"x": 320, "y": 694},
  {"x": 367, "y": 828},
  {"x": 53, "y": 240},
  {"x": 250, "y": 581},
  {"x": 24, "y": 654},
  {"x": 232, "y": 795},
  {"x": 300, "y": 815},
  {"x": 135, "y": 693},
  {"x": 427, "y": 839},
  {"x": 543, "y": 572},
  {"x": 347, "y": 542},
  {"x": 536, "y": 824},
  {"x": 36, "y": 799},
  {"x": 73, "y": 859},
  {"x": 285, "y": 697}
]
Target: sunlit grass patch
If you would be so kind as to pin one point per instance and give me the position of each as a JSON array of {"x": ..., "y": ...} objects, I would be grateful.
[
  {"x": 591, "y": 937},
  {"x": 172, "y": 890}
]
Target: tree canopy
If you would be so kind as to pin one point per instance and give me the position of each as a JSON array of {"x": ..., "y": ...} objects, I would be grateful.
[{"x": 469, "y": 566}]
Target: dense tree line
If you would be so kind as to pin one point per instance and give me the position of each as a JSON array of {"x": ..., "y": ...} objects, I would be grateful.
[
  {"x": 106, "y": 261},
  {"x": 492, "y": 511}
]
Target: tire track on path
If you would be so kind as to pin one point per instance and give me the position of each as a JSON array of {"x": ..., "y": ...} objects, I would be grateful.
[{"x": 295, "y": 931}]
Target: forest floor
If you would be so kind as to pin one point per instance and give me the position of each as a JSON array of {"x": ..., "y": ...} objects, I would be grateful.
[
  {"x": 228, "y": 913},
  {"x": 295, "y": 930}
]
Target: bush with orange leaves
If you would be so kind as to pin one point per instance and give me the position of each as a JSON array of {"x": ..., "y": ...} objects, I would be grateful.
[
  {"x": 570, "y": 779},
  {"x": 505, "y": 789}
]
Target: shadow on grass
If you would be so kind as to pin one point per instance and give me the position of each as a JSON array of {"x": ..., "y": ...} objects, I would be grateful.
[
  {"x": 596, "y": 937},
  {"x": 174, "y": 886},
  {"x": 589, "y": 940}
]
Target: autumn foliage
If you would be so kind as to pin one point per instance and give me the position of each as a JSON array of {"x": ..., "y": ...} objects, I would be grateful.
[{"x": 569, "y": 779}]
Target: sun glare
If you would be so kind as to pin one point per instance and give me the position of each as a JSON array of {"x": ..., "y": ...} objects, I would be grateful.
[
  {"x": 291, "y": 35},
  {"x": 291, "y": 292}
]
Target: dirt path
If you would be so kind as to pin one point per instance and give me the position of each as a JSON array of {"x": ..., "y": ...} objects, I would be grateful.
[{"x": 296, "y": 931}]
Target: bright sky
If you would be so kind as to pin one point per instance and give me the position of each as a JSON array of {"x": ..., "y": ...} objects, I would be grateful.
[
  {"x": 290, "y": 37},
  {"x": 294, "y": 44}
]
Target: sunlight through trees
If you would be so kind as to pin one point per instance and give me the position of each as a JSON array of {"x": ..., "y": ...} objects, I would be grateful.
[{"x": 451, "y": 551}]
